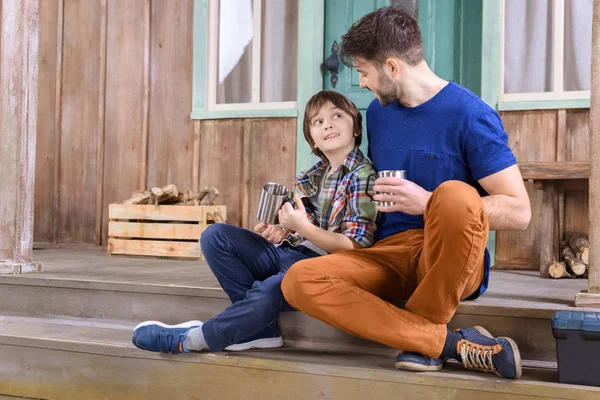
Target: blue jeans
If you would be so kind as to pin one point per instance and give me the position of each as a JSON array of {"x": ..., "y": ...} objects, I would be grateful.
[{"x": 250, "y": 271}]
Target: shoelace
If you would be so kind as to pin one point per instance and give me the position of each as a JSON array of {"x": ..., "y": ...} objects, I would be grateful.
[{"x": 474, "y": 357}]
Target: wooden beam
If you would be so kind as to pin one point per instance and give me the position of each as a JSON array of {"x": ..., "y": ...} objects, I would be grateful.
[
  {"x": 548, "y": 237},
  {"x": 592, "y": 297},
  {"x": 18, "y": 121},
  {"x": 555, "y": 170},
  {"x": 57, "y": 121},
  {"x": 101, "y": 123},
  {"x": 146, "y": 97}
]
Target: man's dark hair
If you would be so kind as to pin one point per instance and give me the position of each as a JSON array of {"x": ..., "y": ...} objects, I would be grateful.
[{"x": 386, "y": 32}]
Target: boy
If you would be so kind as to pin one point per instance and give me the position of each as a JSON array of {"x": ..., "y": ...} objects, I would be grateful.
[{"x": 338, "y": 214}]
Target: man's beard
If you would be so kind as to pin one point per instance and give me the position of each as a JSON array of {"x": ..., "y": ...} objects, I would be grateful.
[{"x": 386, "y": 90}]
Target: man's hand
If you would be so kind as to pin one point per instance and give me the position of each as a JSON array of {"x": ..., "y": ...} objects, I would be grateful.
[
  {"x": 408, "y": 197},
  {"x": 272, "y": 233},
  {"x": 293, "y": 219}
]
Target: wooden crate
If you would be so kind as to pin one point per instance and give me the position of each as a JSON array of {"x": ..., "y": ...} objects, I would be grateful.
[{"x": 163, "y": 231}]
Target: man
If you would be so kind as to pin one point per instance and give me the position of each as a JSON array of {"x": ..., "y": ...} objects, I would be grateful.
[{"x": 461, "y": 181}]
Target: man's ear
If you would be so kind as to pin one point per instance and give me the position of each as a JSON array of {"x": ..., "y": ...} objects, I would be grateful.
[{"x": 393, "y": 65}]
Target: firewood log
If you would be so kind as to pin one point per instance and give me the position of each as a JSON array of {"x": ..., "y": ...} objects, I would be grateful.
[
  {"x": 574, "y": 265},
  {"x": 216, "y": 216},
  {"x": 195, "y": 198},
  {"x": 210, "y": 197},
  {"x": 558, "y": 270},
  {"x": 580, "y": 244},
  {"x": 165, "y": 194},
  {"x": 139, "y": 198}
]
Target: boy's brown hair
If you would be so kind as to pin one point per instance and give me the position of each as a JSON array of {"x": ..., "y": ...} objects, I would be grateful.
[
  {"x": 384, "y": 33},
  {"x": 338, "y": 100}
]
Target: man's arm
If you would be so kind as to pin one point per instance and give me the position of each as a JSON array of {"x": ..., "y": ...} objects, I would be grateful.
[{"x": 507, "y": 205}]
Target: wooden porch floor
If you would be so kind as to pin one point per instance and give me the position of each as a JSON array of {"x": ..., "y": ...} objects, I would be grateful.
[{"x": 508, "y": 289}]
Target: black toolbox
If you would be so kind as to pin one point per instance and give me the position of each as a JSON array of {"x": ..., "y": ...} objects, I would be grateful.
[{"x": 577, "y": 336}]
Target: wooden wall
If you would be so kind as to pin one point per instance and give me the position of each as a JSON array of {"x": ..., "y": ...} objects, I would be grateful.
[
  {"x": 535, "y": 136},
  {"x": 115, "y": 83},
  {"x": 115, "y": 90}
]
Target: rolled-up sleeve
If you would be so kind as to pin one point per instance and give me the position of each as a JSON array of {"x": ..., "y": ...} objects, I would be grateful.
[{"x": 361, "y": 212}]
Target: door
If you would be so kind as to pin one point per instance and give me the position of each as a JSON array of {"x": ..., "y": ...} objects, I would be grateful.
[
  {"x": 451, "y": 36},
  {"x": 339, "y": 16}
]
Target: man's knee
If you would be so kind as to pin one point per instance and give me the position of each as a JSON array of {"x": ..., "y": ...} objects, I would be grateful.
[
  {"x": 455, "y": 200},
  {"x": 294, "y": 284}
]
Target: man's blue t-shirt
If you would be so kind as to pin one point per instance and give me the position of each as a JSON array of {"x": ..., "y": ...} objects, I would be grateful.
[{"x": 452, "y": 136}]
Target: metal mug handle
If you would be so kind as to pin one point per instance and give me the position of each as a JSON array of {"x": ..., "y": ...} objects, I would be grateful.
[
  {"x": 289, "y": 198},
  {"x": 367, "y": 188}
]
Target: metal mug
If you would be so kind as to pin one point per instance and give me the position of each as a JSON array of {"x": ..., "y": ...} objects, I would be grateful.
[
  {"x": 272, "y": 198},
  {"x": 398, "y": 173}
]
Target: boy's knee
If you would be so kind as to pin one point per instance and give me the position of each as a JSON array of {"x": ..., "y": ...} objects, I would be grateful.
[{"x": 210, "y": 236}]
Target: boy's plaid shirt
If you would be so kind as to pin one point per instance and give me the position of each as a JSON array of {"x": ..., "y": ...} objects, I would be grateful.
[{"x": 346, "y": 208}]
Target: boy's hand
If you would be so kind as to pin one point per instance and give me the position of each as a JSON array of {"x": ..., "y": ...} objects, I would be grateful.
[
  {"x": 408, "y": 197},
  {"x": 293, "y": 219},
  {"x": 272, "y": 233}
]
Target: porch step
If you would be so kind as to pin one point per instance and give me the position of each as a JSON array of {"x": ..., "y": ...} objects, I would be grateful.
[
  {"x": 58, "y": 358},
  {"x": 41, "y": 296}
]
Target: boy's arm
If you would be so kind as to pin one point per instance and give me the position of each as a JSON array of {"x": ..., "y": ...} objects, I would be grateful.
[{"x": 358, "y": 226}]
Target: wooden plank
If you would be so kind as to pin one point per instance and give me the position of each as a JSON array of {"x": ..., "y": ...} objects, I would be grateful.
[
  {"x": 160, "y": 213},
  {"x": 561, "y": 132},
  {"x": 145, "y": 97},
  {"x": 171, "y": 131},
  {"x": 154, "y": 230},
  {"x": 576, "y": 211},
  {"x": 155, "y": 248},
  {"x": 246, "y": 155},
  {"x": 224, "y": 168},
  {"x": 555, "y": 170},
  {"x": 101, "y": 116},
  {"x": 594, "y": 151},
  {"x": 521, "y": 249},
  {"x": 273, "y": 149},
  {"x": 196, "y": 157},
  {"x": 79, "y": 121},
  {"x": 548, "y": 230},
  {"x": 47, "y": 134},
  {"x": 124, "y": 147},
  {"x": 18, "y": 121},
  {"x": 531, "y": 134},
  {"x": 99, "y": 369},
  {"x": 578, "y": 135},
  {"x": 58, "y": 120}
]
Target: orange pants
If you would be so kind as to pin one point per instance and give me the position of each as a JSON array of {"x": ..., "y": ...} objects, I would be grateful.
[{"x": 433, "y": 269}]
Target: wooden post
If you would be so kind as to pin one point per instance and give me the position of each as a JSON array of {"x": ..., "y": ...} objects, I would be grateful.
[
  {"x": 548, "y": 237},
  {"x": 591, "y": 298},
  {"x": 18, "y": 119}
]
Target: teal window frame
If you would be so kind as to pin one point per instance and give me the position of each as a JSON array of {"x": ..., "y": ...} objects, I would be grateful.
[{"x": 310, "y": 50}]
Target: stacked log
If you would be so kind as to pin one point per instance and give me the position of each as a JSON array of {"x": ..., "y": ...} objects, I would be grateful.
[
  {"x": 573, "y": 257},
  {"x": 170, "y": 195}
]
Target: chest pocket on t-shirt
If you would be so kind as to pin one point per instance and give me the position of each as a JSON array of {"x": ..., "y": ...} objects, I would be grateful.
[{"x": 428, "y": 169}]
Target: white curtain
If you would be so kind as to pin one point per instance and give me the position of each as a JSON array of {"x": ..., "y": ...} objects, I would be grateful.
[
  {"x": 279, "y": 54},
  {"x": 578, "y": 44},
  {"x": 528, "y": 45}
]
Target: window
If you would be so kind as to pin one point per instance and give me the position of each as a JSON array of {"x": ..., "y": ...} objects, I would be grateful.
[
  {"x": 546, "y": 50},
  {"x": 252, "y": 57}
]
